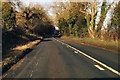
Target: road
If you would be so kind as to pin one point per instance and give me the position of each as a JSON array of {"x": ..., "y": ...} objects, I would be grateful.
[
  {"x": 0, "y": 52},
  {"x": 57, "y": 58}
]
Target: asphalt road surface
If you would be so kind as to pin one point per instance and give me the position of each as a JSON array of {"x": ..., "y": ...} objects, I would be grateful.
[
  {"x": 57, "y": 58},
  {"x": 0, "y": 52}
]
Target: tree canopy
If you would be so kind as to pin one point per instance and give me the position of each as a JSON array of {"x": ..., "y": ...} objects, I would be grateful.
[
  {"x": 31, "y": 19},
  {"x": 80, "y": 19}
]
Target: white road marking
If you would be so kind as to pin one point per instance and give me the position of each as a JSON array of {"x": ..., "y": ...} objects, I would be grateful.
[
  {"x": 30, "y": 75},
  {"x": 76, "y": 52},
  {"x": 100, "y": 68},
  {"x": 109, "y": 68}
]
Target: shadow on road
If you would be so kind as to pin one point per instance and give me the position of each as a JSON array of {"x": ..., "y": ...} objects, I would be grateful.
[{"x": 46, "y": 40}]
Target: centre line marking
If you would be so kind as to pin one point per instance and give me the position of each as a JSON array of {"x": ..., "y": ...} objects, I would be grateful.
[
  {"x": 100, "y": 68},
  {"x": 109, "y": 68}
]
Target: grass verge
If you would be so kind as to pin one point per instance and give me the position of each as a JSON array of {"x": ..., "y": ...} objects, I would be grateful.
[
  {"x": 111, "y": 46},
  {"x": 15, "y": 47}
]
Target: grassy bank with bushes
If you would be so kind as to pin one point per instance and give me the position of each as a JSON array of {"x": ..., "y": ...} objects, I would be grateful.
[
  {"x": 108, "y": 45},
  {"x": 15, "y": 47}
]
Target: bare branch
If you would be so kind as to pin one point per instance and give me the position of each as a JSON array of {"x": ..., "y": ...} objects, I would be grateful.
[{"x": 82, "y": 11}]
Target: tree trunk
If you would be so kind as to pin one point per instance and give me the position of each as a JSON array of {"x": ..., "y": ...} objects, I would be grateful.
[
  {"x": 102, "y": 19},
  {"x": 92, "y": 20},
  {"x": 70, "y": 27}
]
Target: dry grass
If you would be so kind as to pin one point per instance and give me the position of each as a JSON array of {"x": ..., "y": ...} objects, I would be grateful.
[
  {"x": 16, "y": 47},
  {"x": 22, "y": 48},
  {"x": 28, "y": 45}
]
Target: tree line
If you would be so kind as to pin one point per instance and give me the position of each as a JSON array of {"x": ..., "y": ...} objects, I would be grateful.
[
  {"x": 20, "y": 19},
  {"x": 80, "y": 19}
]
